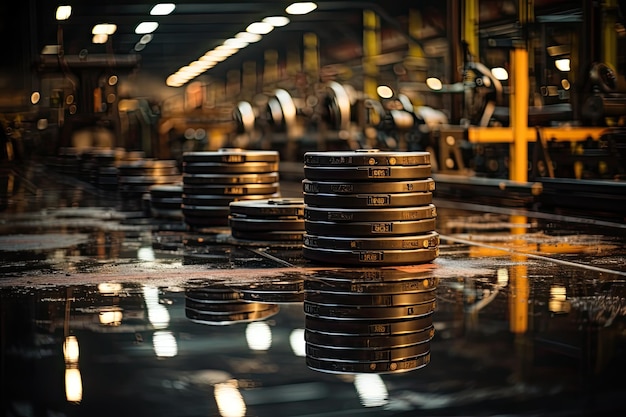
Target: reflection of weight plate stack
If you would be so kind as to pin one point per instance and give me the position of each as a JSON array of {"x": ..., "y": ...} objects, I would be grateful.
[
  {"x": 136, "y": 177},
  {"x": 68, "y": 161},
  {"x": 218, "y": 304},
  {"x": 104, "y": 167},
  {"x": 213, "y": 180},
  {"x": 276, "y": 221},
  {"x": 278, "y": 290},
  {"x": 369, "y": 207},
  {"x": 166, "y": 201},
  {"x": 368, "y": 321}
]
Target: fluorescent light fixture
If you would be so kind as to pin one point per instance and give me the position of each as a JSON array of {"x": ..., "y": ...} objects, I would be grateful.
[
  {"x": 562, "y": 64},
  {"x": 146, "y": 27},
  {"x": 260, "y": 28},
  {"x": 235, "y": 43},
  {"x": 500, "y": 73},
  {"x": 248, "y": 37},
  {"x": 276, "y": 21},
  {"x": 104, "y": 29},
  {"x": 100, "y": 38},
  {"x": 162, "y": 9},
  {"x": 301, "y": 7},
  {"x": 434, "y": 83},
  {"x": 146, "y": 38},
  {"x": 63, "y": 12}
]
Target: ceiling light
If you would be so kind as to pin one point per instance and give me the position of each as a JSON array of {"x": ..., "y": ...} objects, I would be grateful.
[
  {"x": 146, "y": 27},
  {"x": 276, "y": 21},
  {"x": 562, "y": 64},
  {"x": 104, "y": 29},
  {"x": 145, "y": 38},
  {"x": 162, "y": 9},
  {"x": 100, "y": 38},
  {"x": 63, "y": 12},
  {"x": 500, "y": 73},
  {"x": 301, "y": 7},
  {"x": 260, "y": 28},
  {"x": 248, "y": 37}
]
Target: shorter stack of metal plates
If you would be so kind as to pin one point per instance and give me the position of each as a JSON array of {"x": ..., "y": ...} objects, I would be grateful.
[
  {"x": 218, "y": 304},
  {"x": 369, "y": 321},
  {"x": 269, "y": 220},
  {"x": 213, "y": 180},
  {"x": 369, "y": 207},
  {"x": 166, "y": 201}
]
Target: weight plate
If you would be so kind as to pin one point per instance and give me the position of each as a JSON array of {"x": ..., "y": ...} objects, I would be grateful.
[
  {"x": 201, "y": 317},
  {"x": 345, "y": 187},
  {"x": 373, "y": 275},
  {"x": 429, "y": 240},
  {"x": 224, "y": 168},
  {"x": 351, "y": 287},
  {"x": 380, "y": 257},
  {"x": 369, "y": 229},
  {"x": 383, "y": 328},
  {"x": 337, "y": 367},
  {"x": 223, "y": 307},
  {"x": 212, "y": 295},
  {"x": 360, "y": 173},
  {"x": 265, "y": 225},
  {"x": 268, "y": 178},
  {"x": 427, "y": 211},
  {"x": 273, "y": 236},
  {"x": 366, "y": 157},
  {"x": 369, "y": 300},
  {"x": 368, "y": 313},
  {"x": 232, "y": 189},
  {"x": 166, "y": 190},
  {"x": 206, "y": 211},
  {"x": 147, "y": 164},
  {"x": 232, "y": 156},
  {"x": 220, "y": 200},
  {"x": 372, "y": 355},
  {"x": 369, "y": 342},
  {"x": 362, "y": 201},
  {"x": 274, "y": 207}
]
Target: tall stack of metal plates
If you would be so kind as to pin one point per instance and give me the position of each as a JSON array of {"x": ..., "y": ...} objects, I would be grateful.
[
  {"x": 214, "y": 179},
  {"x": 369, "y": 207}
]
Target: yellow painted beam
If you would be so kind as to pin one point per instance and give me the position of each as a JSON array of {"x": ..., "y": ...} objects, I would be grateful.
[
  {"x": 518, "y": 153},
  {"x": 470, "y": 25},
  {"x": 371, "y": 51},
  {"x": 556, "y": 134}
]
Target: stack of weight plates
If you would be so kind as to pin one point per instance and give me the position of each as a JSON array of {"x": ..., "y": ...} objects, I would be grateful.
[
  {"x": 277, "y": 220},
  {"x": 275, "y": 290},
  {"x": 218, "y": 304},
  {"x": 166, "y": 201},
  {"x": 369, "y": 321},
  {"x": 213, "y": 180},
  {"x": 369, "y": 207},
  {"x": 135, "y": 178}
]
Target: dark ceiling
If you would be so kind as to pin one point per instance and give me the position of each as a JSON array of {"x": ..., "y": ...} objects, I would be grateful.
[{"x": 198, "y": 26}]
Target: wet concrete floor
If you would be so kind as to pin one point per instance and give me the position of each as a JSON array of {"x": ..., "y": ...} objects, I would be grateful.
[{"x": 109, "y": 311}]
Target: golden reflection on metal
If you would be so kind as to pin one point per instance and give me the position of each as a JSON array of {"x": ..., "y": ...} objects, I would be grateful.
[{"x": 229, "y": 400}]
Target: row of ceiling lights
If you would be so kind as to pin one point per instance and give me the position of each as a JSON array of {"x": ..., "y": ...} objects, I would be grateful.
[{"x": 253, "y": 33}]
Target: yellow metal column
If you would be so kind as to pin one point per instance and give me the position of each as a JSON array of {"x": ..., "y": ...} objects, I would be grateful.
[
  {"x": 518, "y": 153},
  {"x": 371, "y": 50},
  {"x": 470, "y": 25},
  {"x": 609, "y": 34},
  {"x": 311, "y": 62}
]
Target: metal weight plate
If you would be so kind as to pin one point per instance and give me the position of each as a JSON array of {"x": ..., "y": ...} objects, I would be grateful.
[
  {"x": 346, "y": 187},
  {"x": 367, "y": 312},
  {"x": 428, "y": 240},
  {"x": 273, "y": 236},
  {"x": 360, "y": 173},
  {"x": 203, "y": 317},
  {"x": 232, "y": 189},
  {"x": 267, "y": 178},
  {"x": 231, "y": 156},
  {"x": 221, "y": 200},
  {"x": 334, "y": 214},
  {"x": 380, "y": 257},
  {"x": 381, "y": 275},
  {"x": 370, "y": 300},
  {"x": 243, "y": 223},
  {"x": 372, "y": 355},
  {"x": 362, "y": 201},
  {"x": 224, "y": 307},
  {"x": 382, "y": 328},
  {"x": 366, "y": 157},
  {"x": 213, "y": 294},
  {"x": 365, "y": 367},
  {"x": 274, "y": 207},
  {"x": 227, "y": 168},
  {"x": 369, "y": 229},
  {"x": 352, "y": 287},
  {"x": 369, "y": 342},
  {"x": 166, "y": 190}
]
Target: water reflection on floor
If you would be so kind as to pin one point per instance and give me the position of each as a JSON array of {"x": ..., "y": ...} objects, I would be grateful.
[{"x": 106, "y": 311}]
